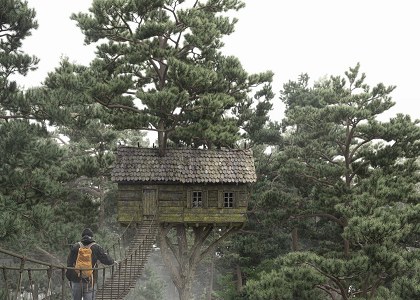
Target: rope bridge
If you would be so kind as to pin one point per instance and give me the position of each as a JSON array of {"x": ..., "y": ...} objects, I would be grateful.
[{"x": 24, "y": 278}]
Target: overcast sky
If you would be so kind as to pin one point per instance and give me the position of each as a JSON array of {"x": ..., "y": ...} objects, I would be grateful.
[{"x": 288, "y": 37}]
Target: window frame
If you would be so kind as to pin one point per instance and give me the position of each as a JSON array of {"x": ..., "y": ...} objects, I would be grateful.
[
  {"x": 228, "y": 199},
  {"x": 198, "y": 198}
]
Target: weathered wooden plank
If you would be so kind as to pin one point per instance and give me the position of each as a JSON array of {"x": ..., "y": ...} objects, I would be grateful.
[
  {"x": 171, "y": 195},
  {"x": 129, "y": 187},
  {"x": 170, "y": 210},
  {"x": 127, "y": 210},
  {"x": 149, "y": 202},
  {"x": 206, "y": 218},
  {"x": 172, "y": 202},
  {"x": 215, "y": 211},
  {"x": 163, "y": 203},
  {"x": 129, "y": 195}
]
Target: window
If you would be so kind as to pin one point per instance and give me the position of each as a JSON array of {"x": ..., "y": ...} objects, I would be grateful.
[
  {"x": 197, "y": 199},
  {"x": 228, "y": 199}
]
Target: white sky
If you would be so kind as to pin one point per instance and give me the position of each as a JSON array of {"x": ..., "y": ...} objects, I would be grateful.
[{"x": 288, "y": 37}]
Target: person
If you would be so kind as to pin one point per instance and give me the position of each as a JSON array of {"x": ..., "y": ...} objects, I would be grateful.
[{"x": 84, "y": 287}]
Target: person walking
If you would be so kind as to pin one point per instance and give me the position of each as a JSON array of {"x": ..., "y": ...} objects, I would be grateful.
[{"x": 84, "y": 255}]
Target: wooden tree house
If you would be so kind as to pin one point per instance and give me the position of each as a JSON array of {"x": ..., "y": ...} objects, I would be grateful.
[{"x": 189, "y": 186}]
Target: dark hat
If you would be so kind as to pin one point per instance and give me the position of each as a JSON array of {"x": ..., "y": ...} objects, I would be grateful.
[{"x": 88, "y": 232}]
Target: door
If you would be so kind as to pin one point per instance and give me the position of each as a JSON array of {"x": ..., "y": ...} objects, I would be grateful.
[{"x": 149, "y": 202}]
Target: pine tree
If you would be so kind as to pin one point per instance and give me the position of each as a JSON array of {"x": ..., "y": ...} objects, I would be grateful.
[
  {"x": 33, "y": 198},
  {"x": 17, "y": 22},
  {"x": 159, "y": 67},
  {"x": 355, "y": 177},
  {"x": 24, "y": 146}
]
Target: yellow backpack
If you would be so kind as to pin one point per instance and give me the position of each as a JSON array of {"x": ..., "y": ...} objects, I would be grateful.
[{"x": 84, "y": 261}]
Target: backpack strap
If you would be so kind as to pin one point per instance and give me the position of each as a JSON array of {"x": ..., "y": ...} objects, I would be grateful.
[
  {"x": 86, "y": 246},
  {"x": 90, "y": 245}
]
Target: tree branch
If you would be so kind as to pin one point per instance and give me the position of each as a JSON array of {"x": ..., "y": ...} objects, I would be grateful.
[
  {"x": 343, "y": 292},
  {"x": 325, "y": 215}
]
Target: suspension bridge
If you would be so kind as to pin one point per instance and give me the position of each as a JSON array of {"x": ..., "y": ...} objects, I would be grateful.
[{"x": 21, "y": 276}]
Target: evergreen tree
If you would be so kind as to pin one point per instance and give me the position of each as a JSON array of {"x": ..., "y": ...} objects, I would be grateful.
[
  {"x": 17, "y": 21},
  {"x": 33, "y": 198},
  {"x": 355, "y": 178},
  {"x": 159, "y": 67},
  {"x": 265, "y": 235},
  {"x": 151, "y": 289},
  {"x": 28, "y": 160}
]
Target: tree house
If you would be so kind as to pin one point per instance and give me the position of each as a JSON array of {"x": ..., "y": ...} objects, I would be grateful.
[{"x": 190, "y": 186}]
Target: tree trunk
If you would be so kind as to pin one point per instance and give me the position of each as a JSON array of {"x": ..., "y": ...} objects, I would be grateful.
[
  {"x": 346, "y": 248},
  {"x": 185, "y": 291},
  {"x": 101, "y": 217},
  {"x": 346, "y": 241},
  {"x": 35, "y": 292},
  {"x": 181, "y": 256},
  {"x": 239, "y": 283},
  {"x": 211, "y": 276},
  {"x": 295, "y": 241},
  {"x": 162, "y": 138}
]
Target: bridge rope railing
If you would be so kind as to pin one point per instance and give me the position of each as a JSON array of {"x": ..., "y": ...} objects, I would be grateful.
[
  {"x": 130, "y": 268},
  {"x": 28, "y": 278}
]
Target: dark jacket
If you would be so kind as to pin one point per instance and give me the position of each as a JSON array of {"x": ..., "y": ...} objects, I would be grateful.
[{"x": 98, "y": 253}]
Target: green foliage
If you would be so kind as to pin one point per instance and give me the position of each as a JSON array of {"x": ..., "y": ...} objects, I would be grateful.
[
  {"x": 159, "y": 67},
  {"x": 24, "y": 146},
  {"x": 151, "y": 288},
  {"x": 40, "y": 198},
  {"x": 347, "y": 184},
  {"x": 225, "y": 288},
  {"x": 30, "y": 181},
  {"x": 17, "y": 22},
  {"x": 288, "y": 283}
]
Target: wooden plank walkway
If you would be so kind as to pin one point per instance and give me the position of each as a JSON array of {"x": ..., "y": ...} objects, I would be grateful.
[{"x": 130, "y": 269}]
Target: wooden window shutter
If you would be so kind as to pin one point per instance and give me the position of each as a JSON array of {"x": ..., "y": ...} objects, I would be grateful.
[
  {"x": 189, "y": 198},
  {"x": 205, "y": 198},
  {"x": 220, "y": 199}
]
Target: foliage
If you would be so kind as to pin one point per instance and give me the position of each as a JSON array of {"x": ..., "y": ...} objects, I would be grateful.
[
  {"x": 225, "y": 287},
  {"x": 150, "y": 289},
  {"x": 30, "y": 167},
  {"x": 355, "y": 177},
  {"x": 285, "y": 281},
  {"x": 344, "y": 185},
  {"x": 159, "y": 67},
  {"x": 17, "y": 22}
]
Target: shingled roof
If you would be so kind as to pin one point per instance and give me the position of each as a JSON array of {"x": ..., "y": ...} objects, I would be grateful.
[{"x": 184, "y": 166}]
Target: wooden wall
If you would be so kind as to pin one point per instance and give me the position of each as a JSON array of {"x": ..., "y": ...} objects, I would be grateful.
[{"x": 173, "y": 203}]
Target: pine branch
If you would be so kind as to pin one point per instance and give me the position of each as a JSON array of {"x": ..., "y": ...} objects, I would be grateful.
[
  {"x": 325, "y": 215},
  {"x": 213, "y": 245},
  {"x": 343, "y": 292}
]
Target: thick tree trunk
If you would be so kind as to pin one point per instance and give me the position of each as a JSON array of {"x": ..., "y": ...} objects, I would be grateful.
[
  {"x": 185, "y": 291},
  {"x": 175, "y": 255},
  {"x": 182, "y": 257}
]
